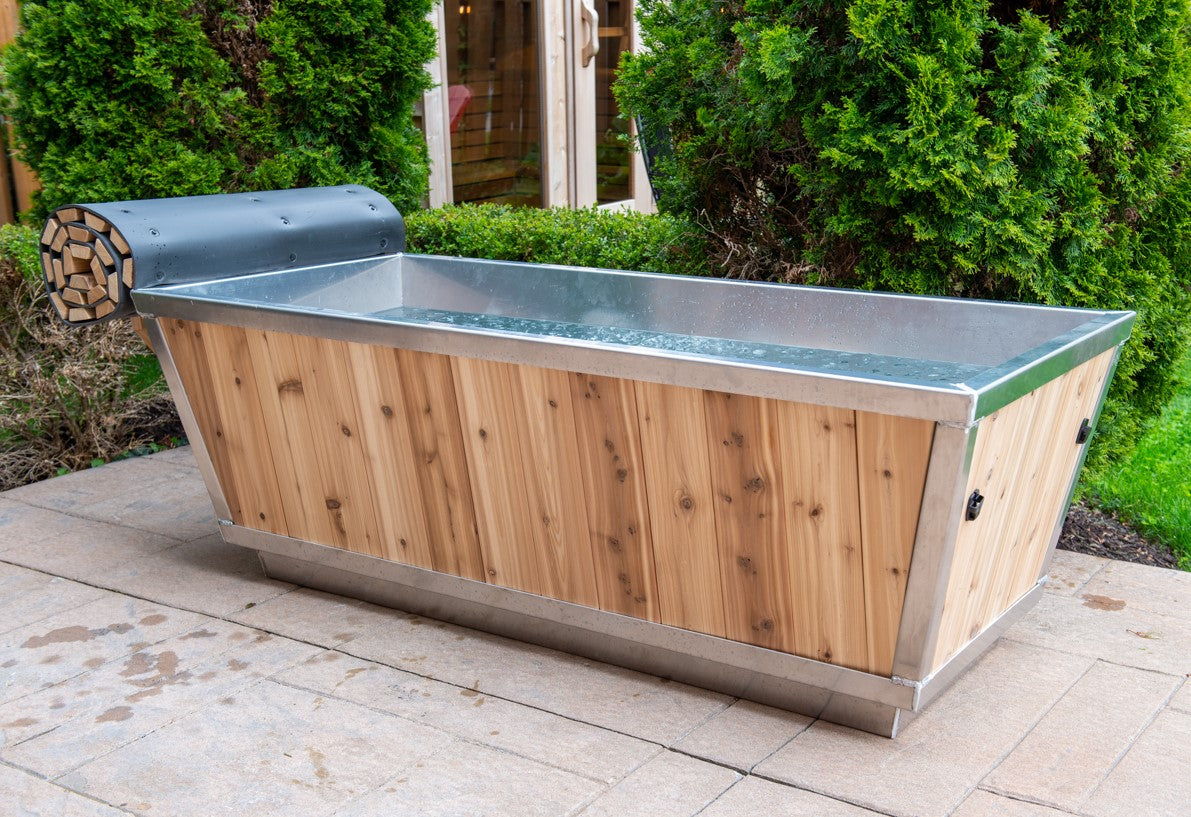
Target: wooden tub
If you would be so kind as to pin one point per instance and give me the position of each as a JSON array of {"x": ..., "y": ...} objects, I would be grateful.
[{"x": 824, "y": 500}]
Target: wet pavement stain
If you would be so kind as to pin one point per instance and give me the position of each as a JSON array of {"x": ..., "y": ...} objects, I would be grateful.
[
  {"x": 343, "y": 636},
  {"x": 1102, "y": 603},
  {"x": 203, "y": 633},
  {"x": 92, "y": 663},
  {"x": 155, "y": 618},
  {"x": 319, "y": 761},
  {"x": 20, "y": 723},
  {"x": 73, "y": 634},
  {"x": 51, "y": 659},
  {"x": 161, "y": 669},
  {"x": 236, "y": 665},
  {"x": 9, "y": 664},
  {"x": 115, "y": 715}
]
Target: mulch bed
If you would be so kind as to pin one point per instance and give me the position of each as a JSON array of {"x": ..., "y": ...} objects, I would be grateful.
[{"x": 1096, "y": 533}]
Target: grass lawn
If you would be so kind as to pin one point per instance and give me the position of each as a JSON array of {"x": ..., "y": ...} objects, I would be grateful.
[{"x": 1152, "y": 489}]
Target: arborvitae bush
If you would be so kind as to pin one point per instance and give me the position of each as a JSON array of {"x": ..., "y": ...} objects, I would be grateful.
[
  {"x": 1031, "y": 151},
  {"x": 128, "y": 99}
]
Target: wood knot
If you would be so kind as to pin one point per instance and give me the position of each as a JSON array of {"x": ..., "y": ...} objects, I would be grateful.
[
  {"x": 614, "y": 543},
  {"x": 386, "y": 410},
  {"x": 738, "y": 439},
  {"x": 333, "y": 504},
  {"x": 816, "y": 511},
  {"x": 294, "y": 385},
  {"x": 887, "y": 474},
  {"x": 686, "y": 503},
  {"x": 483, "y": 433},
  {"x": 622, "y": 474},
  {"x": 347, "y": 432},
  {"x": 552, "y": 403},
  {"x": 765, "y": 625},
  {"x": 756, "y": 485},
  {"x": 237, "y": 381}
]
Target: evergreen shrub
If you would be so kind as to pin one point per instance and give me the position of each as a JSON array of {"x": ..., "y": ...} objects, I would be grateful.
[
  {"x": 612, "y": 239},
  {"x": 1031, "y": 151},
  {"x": 130, "y": 99}
]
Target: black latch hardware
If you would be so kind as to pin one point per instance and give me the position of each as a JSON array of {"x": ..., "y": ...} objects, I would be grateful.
[
  {"x": 975, "y": 504},
  {"x": 1085, "y": 431}
]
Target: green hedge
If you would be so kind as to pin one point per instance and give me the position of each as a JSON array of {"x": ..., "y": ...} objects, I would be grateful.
[
  {"x": 129, "y": 99},
  {"x": 1029, "y": 151},
  {"x": 612, "y": 239}
]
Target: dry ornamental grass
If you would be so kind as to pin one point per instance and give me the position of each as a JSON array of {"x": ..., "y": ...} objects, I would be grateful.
[{"x": 70, "y": 396}]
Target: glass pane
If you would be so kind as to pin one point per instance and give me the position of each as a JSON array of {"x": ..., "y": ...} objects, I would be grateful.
[
  {"x": 492, "y": 94},
  {"x": 613, "y": 156}
]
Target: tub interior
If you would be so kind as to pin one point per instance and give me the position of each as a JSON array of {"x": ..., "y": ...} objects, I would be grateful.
[{"x": 894, "y": 337}]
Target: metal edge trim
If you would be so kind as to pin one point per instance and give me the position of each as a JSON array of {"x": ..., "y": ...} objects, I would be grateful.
[
  {"x": 1083, "y": 455},
  {"x": 194, "y": 435},
  {"x": 949, "y": 672},
  {"x": 921, "y": 401},
  {"x": 1045, "y": 363},
  {"x": 551, "y": 622},
  {"x": 934, "y": 549}
]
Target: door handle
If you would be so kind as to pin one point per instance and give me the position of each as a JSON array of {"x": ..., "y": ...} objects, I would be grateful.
[{"x": 591, "y": 21}]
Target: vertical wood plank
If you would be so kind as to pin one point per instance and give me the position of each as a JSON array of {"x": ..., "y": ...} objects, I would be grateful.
[
  {"x": 818, "y": 461},
  {"x": 682, "y": 518},
  {"x": 186, "y": 344},
  {"x": 613, "y": 474},
  {"x": 554, "y": 486},
  {"x": 233, "y": 385},
  {"x": 388, "y": 454},
  {"x": 315, "y": 392},
  {"x": 488, "y": 408},
  {"x": 750, "y": 521},
  {"x": 440, "y": 463},
  {"x": 292, "y": 474},
  {"x": 892, "y": 457},
  {"x": 283, "y": 386}
]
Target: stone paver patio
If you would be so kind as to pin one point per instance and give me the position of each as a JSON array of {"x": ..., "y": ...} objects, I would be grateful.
[{"x": 148, "y": 668}]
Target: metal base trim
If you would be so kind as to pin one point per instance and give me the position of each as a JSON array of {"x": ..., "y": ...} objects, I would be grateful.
[{"x": 849, "y": 697}]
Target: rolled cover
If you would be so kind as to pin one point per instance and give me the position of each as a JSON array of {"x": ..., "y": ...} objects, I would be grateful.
[{"x": 200, "y": 238}]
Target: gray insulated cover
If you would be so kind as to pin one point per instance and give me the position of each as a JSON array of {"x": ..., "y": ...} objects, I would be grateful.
[{"x": 118, "y": 246}]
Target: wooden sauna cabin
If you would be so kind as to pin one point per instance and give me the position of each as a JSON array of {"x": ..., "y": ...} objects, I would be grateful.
[{"x": 825, "y": 500}]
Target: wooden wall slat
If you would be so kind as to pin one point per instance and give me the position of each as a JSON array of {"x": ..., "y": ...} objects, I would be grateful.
[
  {"x": 293, "y": 463},
  {"x": 756, "y": 570},
  {"x": 818, "y": 464},
  {"x": 554, "y": 485},
  {"x": 233, "y": 385},
  {"x": 892, "y": 457},
  {"x": 489, "y": 403},
  {"x": 186, "y": 344},
  {"x": 681, "y": 506},
  {"x": 613, "y": 474},
  {"x": 440, "y": 462},
  {"x": 316, "y": 394},
  {"x": 388, "y": 452}
]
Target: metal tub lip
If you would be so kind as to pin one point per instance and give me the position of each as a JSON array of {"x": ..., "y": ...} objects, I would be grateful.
[{"x": 808, "y": 344}]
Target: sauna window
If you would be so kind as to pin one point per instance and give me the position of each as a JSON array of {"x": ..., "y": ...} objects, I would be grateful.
[{"x": 492, "y": 99}]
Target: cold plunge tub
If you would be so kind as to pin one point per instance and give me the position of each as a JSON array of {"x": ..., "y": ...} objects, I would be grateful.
[{"x": 825, "y": 500}]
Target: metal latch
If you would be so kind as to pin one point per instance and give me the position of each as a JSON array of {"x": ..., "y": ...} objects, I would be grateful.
[
  {"x": 1085, "y": 431},
  {"x": 975, "y": 505}
]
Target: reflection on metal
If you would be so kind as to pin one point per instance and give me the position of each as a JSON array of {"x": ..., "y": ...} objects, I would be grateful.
[
  {"x": 941, "y": 359},
  {"x": 198, "y": 446}
]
